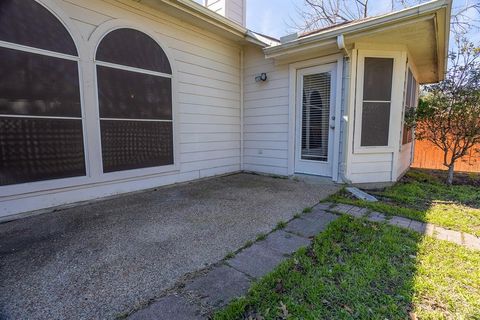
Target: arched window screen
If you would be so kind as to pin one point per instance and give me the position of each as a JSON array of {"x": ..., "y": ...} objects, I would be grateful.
[
  {"x": 41, "y": 134},
  {"x": 135, "y": 102},
  {"x": 132, "y": 48},
  {"x": 28, "y": 23}
]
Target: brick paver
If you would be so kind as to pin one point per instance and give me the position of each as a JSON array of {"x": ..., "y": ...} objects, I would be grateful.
[{"x": 464, "y": 239}]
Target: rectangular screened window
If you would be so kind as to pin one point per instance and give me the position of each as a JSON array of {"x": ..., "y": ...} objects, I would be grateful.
[
  {"x": 34, "y": 149},
  {"x": 130, "y": 145},
  {"x": 411, "y": 101},
  {"x": 135, "y": 119},
  {"x": 37, "y": 85},
  {"x": 41, "y": 134},
  {"x": 377, "y": 93},
  {"x": 131, "y": 95}
]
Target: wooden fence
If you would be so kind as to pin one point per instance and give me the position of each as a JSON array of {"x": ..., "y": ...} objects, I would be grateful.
[{"x": 428, "y": 156}]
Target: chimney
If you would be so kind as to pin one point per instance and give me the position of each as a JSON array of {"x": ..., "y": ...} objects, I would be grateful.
[{"x": 234, "y": 10}]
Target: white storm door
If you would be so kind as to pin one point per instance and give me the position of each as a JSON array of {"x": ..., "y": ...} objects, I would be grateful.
[{"x": 315, "y": 120}]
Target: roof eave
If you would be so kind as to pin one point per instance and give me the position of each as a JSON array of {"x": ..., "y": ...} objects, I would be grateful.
[
  {"x": 198, "y": 14},
  {"x": 331, "y": 35}
]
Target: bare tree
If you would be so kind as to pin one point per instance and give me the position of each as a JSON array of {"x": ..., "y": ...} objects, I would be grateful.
[
  {"x": 316, "y": 14},
  {"x": 449, "y": 113}
]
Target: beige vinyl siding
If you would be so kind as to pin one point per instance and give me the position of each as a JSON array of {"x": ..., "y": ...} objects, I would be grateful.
[
  {"x": 371, "y": 167},
  {"x": 206, "y": 96},
  {"x": 236, "y": 11},
  {"x": 208, "y": 91},
  {"x": 232, "y": 9},
  {"x": 404, "y": 159},
  {"x": 265, "y": 115},
  {"x": 217, "y": 6}
]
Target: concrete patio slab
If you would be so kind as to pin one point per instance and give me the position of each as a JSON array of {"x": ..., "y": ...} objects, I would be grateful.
[
  {"x": 100, "y": 260},
  {"x": 219, "y": 286},
  {"x": 256, "y": 261},
  {"x": 168, "y": 308}
]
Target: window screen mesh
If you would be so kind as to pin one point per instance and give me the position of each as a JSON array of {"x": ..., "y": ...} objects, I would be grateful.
[
  {"x": 133, "y": 48},
  {"x": 39, "y": 149},
  {"x": 28, "y": 23},
  {"x": 136, "y": 144},
  {"x": 37, "y": 85},
  {"x": 315, "y": 116},
  {"x": 377, "y": 83},
  {"x": 375, "y": 123},
  {"x": 135, "y": 105},
  {"x": 131, "y": 95},
  {"x": 37, "y": 93},
  {"x": 377, "y": 92}
]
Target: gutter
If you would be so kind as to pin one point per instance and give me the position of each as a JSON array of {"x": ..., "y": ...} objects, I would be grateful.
[
  {"x": 341, "y": 45},
  {"x": 330, "y": 35}
]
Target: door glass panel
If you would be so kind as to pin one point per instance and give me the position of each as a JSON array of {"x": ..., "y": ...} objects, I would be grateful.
[{"x": 315, "y": 116}]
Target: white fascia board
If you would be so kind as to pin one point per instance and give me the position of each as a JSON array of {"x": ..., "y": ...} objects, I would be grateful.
[{"x": 361, "y": 26}]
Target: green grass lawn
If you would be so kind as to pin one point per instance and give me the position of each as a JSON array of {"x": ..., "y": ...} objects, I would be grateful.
[
  {"x": 422, "y": 196},
  {"x": 362, "y": 270}
]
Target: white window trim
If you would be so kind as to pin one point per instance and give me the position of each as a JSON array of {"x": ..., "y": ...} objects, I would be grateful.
[
  {"x": 395, "y": 102},
  {"x": 34, "y": 186},
  {"x": 98, "y": 36},
  {"x": 90, "y": 116}
]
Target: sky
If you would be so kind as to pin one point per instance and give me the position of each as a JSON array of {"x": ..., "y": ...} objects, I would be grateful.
[{"x": 274, "y": 17}]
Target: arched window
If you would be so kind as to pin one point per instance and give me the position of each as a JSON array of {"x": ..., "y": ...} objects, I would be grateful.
[
  {"x": 41, "y": 134},
  {"x": 134, "y": 81}
]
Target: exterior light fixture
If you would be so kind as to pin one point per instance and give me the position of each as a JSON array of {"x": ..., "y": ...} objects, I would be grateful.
[{"x": 261, "y": 77}]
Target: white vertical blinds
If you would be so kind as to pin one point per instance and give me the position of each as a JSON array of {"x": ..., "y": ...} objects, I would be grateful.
[{"x": 315, "y": 116}]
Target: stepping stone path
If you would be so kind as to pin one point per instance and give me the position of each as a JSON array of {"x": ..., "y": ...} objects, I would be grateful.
[
  {"x": 461, "y": 238},
  {"x": 213, "y": 288}
]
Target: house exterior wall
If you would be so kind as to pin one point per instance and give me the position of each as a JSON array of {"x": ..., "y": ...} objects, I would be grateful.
[
  {"x": 270, "y": 111},
  {"x": 406, "y": 153},
  {"x": 266, "y": 110},
  {"x": 234, "y": 10},
  {"x": 206, "y": 105},
  {"x": 372, "y": 164}
]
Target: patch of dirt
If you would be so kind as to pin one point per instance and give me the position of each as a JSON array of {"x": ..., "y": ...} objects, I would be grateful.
[{"x": 459, "y": 178}]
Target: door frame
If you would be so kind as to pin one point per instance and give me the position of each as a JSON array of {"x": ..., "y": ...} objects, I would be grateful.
[
  {"x": 293, "y": 68},
  {"x": 303, "y": 166}
]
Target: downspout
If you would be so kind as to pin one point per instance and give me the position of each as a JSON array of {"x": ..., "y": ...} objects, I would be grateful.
[
  {"x": 241, "y": 106},
  {"x": 346, "y": 83},
  {"x": 341, "y": 44}
]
